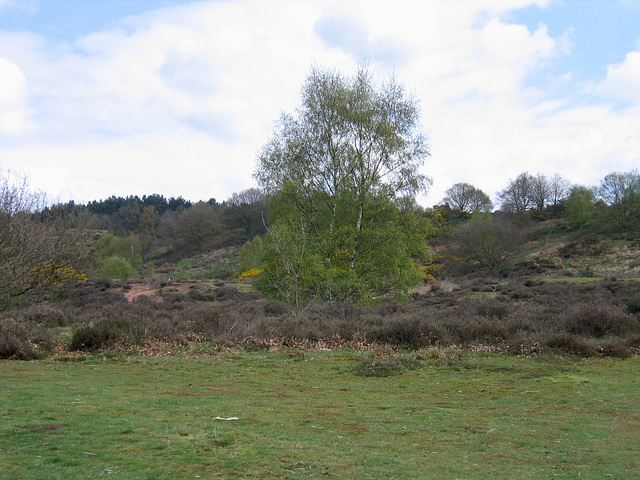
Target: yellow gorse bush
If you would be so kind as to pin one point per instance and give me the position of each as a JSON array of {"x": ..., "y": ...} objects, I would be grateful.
[
  {"x": 254, "y": 272},
  {"x": 430, "y": 270},
  {"x": 53, "y": 273}
]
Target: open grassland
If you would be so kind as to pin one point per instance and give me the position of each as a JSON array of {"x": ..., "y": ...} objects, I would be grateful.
[{"x": 441, "y": 414}]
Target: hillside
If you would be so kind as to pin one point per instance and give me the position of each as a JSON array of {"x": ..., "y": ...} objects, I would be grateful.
[{"x": 569, "y": 291}]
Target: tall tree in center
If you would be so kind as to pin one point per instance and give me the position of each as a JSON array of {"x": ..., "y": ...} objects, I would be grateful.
[{"x": 335, "y": 172}]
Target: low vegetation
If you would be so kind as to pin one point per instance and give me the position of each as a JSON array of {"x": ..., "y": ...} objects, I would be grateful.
[
  {"x": 520, "y": 316},
  {"x": 300, "y": 413}
]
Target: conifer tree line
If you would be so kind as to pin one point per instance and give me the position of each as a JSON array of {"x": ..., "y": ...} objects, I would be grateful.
[{"x": 333, "y": 217}]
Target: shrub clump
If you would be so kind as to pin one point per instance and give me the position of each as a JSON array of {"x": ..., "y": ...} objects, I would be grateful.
[
  {"x": 103, "y": 334},
  {"x": 386, "y": 366},
  {"x": 22, "y": 341},
  {"x": 598, "y": 320}
]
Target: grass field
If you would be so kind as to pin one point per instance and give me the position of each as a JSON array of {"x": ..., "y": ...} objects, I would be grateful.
[{"x": 309, "y": 414}]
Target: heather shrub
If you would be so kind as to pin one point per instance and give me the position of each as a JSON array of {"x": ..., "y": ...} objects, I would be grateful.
[
  {"x": 406, "y": 331},
  {"x": 100, "y": 335},
  {"x": 597, "y": 320},
  {"x": 173, "y": 295},
  {"x": 21, "y": 341},
  {"x": 200, "y": 293},
  {"x": 485, "y": 307},
  {"x": 94, "y": 294},
  {"x": 386, "y": 366},
  {"x": 128, "y": 325},
  {"x": 469, "y": 330},
  {"x": 574, "y": 344},
  {"x": 273, "y": 308},
  {"x": 633, "y": 304},
  {"x": 227, "y": 292},
  {"x": 46, "y": 315}
]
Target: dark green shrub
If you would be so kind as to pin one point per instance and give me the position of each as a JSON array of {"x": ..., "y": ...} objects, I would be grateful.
[
  {"x": 633, "y": 304},
  {"x": 100, "y": 335},
  {"x": 586, "y": 248},
  {"x": 616, "y": 350}
]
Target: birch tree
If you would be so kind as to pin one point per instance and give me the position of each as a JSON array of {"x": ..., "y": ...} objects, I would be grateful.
[{"x": 341, "y": 163}]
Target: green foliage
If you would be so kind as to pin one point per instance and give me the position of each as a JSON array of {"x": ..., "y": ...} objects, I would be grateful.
[
  {"x": 115, "y": 267},
  {"x": 118, "y": 258},
  {"x": 340, "y": 178},
  {"x": 579, "y": 207},
  {"x": 621, "y": 193},
  {"x": 344, "y": 263},
  {"x": 251, "y": 255},
  {"x": 128, "y": 248},
  {"x": 193, "y": 230}
]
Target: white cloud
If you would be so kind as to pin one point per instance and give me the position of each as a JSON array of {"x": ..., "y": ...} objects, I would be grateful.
[
  {"x": 623, "y": 80},
  {"x": 178, "y": 101},
  {"x": 13, "y": 86}
]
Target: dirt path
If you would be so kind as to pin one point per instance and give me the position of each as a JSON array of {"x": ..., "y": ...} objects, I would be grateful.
[{"x": 138, "y": 290}]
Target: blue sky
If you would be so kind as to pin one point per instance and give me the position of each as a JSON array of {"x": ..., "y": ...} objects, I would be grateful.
[
  {"x": 599, "y": 33},
  {"x": 119, "y": 97},
  {"x": 68, "y": 20}
]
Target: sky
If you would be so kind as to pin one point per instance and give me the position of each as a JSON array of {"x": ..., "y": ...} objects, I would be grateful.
[{"x": 135, "y": 97}]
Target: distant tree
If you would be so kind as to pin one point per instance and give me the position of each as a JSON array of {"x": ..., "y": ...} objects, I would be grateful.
[
  {"x": 149, "y": 221},
  {"x": 487, "y": 244},
  {"x": 537, "y": 193},
  {"x": 467, "y": 198},
  {"x": 579, "y": 206},
  {"x": 560, "y": 188},
  {"x": 67, "y": 211},
  {"x": 179, "y": 203},
  {"x": 518, "y": 194},
  {"x": 35, "y": 250},
  {"x": 621, "y": 192},
  {"x": 126, "y": 220},
  {"x": 246, "y": 210},
  {"x": 541, "y": 192},
  {"x": 192, "y": 230},
  {"x": 157, "y": 201}
]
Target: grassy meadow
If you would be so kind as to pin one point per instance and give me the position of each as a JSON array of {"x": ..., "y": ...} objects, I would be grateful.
[{"x": 343, "y": 413}]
